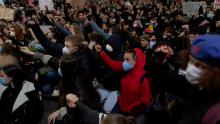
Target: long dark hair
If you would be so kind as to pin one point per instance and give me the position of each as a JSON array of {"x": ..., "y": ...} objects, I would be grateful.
[
  {"x": 78, "y": 81},
  {"x": 16, "y": 73}
]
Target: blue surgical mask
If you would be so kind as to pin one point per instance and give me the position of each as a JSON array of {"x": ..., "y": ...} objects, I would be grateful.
[
  {"x": 127, "y": 66},
  {"x": 210, "y": 16},
  {"x": 3, "y": 81},
  {"x": 60, "y": 72},
  {"x": 104, "y": 20}
]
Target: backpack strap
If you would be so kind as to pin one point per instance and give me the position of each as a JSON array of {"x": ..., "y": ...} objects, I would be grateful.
[{"x": 212, "y": 116}]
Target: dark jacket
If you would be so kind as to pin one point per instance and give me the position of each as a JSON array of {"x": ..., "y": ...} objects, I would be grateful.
[
  {"x": 80, "y": 115},
  {"x": 85, "y": 56},
  {"x": 54, "y": 49},
  {"x": 26, "y": 108},
  {"x": 194, "y": 109},
  {"x": 115, "y": 40}
]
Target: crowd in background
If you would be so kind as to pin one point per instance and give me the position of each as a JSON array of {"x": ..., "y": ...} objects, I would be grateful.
[{"x": 110, "y": 62}]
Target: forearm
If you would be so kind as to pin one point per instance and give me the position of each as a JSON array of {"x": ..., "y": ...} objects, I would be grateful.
[
  {"x": 114, "y": 65},
  {"x": 62, "y": 29},
  {"x": 42, "y": 57},
  {"x": 96, "y": 28}
]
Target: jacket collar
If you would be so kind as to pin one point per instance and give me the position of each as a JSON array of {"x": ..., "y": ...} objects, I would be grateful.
[{"x": 22, "y": 97}]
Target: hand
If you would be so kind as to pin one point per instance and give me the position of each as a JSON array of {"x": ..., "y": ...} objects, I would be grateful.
[
  {"x": 91, "y": 45},
  {"x": 67, "y": 25},
  {"x": 87, "y": 22},
  {"x": 98, "y": 48},
  {"x": 50, "y": 15},
  {"x": 71, "y": 100},
  {"x": 72, "y": 30},
  {"x": 53, "y": 40},
  {"x": 182, "y": 34},
  {"x": 27, "y": 51},
  {"x": 53, "y": 116}
]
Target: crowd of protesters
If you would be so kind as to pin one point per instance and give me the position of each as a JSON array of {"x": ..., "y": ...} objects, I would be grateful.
[{"x": 110, "y": 62}]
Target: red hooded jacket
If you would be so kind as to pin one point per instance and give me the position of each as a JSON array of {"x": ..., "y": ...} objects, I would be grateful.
[{"x": 135, "y": 96}]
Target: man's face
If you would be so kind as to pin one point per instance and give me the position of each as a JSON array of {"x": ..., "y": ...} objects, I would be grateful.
[
  {"x": 81, "y": 16},
  {"x": 153, "y": 38},
  {"x": 104, "y": 27}
]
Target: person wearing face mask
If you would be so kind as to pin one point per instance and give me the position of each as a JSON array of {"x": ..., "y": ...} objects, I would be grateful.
[
  {"x": 131, "y": 84},
  {"x": 74, "y": 46},
  {"x": 115, "y": 40},
  {"x": 78, "y": 81},
  {"x": 19, "y": 100},
  {"x": 203, "y": 72},
  {"x": 153, "y": 41},
  {"x": 210, "y": 15}
]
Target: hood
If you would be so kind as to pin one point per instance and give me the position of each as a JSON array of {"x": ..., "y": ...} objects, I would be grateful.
[{"x": 140, "y": 59}]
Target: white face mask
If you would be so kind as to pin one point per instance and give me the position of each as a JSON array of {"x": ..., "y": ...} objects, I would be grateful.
[
  {"x": 65, "y": 50},
  {"x": 109, "y": 48},
  {"x": 193, "y": 74},
  {"x": 60, "y": 72},
  {"x": 12, "y": 34},
  {"x": 152, "y": 43}
]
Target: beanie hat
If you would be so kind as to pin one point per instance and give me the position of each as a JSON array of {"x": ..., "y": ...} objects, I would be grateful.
[{"x": 206, "y": 48}]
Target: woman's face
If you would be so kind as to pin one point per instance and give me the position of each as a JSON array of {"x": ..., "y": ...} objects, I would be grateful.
[
  {"x": 4, "y": 76},
  {"x": 129, "y": 58}
]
